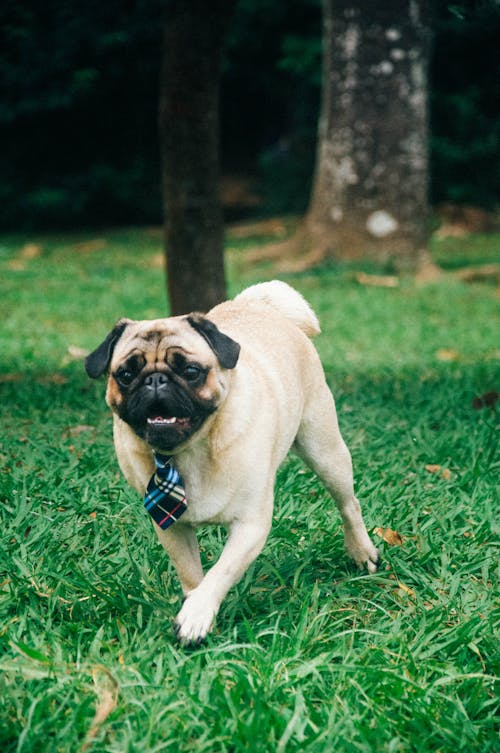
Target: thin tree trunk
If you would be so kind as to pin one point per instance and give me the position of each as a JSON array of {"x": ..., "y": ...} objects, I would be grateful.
[
  {"x": 370, "y": 188},
  {"x": 189, "y": 139}
]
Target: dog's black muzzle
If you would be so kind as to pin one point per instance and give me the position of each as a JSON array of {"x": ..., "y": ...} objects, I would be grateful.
[{"x": 162, "y": 411}]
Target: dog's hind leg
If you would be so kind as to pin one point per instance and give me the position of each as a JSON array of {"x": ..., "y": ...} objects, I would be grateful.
[{"x": 320, "y": 443}]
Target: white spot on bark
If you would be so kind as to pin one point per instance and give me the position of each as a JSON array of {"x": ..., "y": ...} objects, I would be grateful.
[
  {"x": 381, "y": 224},
  {"x": 378, "y": 170},
  {"x": 342, "y": 169},
  {"x": 415, "y": 148},
  {"x": 393, "y": 35},
  {"x": 345, "y": 171},
  {"x": 336, "y": 214},
  {"x": 350, "y": 43},
  {"x": 385, "y": 68},
  {"x": 418, "y": 97},
  {"x": 398, "y": 54},
  {"x": 351, "y": 40}
]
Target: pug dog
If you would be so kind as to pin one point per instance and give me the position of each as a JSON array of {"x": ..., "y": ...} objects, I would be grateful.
[{"x": 205, "y": 409}]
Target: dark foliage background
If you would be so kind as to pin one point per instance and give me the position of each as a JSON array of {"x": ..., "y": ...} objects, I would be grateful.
[{"x": 78, "y": 107}]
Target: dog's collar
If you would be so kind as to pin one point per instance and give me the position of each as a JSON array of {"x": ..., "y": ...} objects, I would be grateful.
[{"x": 165, "y": 498}]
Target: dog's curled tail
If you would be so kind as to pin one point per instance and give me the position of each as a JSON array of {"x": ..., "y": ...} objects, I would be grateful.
[{"x": 287, "y": 301}]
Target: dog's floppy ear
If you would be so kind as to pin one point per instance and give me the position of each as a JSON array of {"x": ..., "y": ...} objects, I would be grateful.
[
  {"x": 97, "y": 362},
  {"x": 226, "y": 349}
]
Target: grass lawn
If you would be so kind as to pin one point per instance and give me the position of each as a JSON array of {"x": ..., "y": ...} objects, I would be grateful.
[{"x": 308, "y": 654}]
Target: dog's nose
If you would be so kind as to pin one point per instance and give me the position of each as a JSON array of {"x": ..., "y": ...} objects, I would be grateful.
[{"x": 156, "y": 381}]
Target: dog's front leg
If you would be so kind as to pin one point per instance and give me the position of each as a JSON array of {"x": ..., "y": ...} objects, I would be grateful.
[
  {"x": 244, "y": 543},
  {"x": 181, "y": 544}
]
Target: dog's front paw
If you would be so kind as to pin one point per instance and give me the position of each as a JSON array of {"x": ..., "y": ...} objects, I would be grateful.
[
  {"x": 196, "y": 618},
  {"x": 360, "y": 548}
]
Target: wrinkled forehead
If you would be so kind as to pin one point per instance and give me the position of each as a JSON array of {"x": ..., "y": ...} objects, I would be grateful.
[{"x": 156, "y": 337}]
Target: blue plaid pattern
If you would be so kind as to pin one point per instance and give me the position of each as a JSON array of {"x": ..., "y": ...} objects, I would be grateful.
[{"x": 165, "y": 498}]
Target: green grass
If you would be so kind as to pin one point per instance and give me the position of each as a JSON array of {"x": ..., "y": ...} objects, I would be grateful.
[{"x": 308, "y": 654}]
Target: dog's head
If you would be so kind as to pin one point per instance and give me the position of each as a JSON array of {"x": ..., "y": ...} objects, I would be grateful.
[{"x": 166, "y": 376}]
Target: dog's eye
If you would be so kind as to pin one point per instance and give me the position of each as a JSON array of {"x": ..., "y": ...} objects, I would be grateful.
[
  {"x": 192, "y": 372},
  {"x": 124, "y": 376},
  {"x": 129, "y": 370}
]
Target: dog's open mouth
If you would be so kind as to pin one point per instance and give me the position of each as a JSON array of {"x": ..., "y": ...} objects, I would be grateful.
[
  {"x": 166, "y": 432},
  {"x": 159, "y": 421}
]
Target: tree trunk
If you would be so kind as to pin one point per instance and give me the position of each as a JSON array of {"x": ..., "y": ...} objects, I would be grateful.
[
  {"x": 189, "y": 134},
  {"x": 370, "y": 188}
]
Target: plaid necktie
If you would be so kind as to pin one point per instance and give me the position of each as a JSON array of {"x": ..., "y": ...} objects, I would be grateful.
[{"x": 165, "y": 498}]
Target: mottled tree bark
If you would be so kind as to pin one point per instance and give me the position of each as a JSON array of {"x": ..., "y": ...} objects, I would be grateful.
[
  {"x": 189, "y": 139},
  {"x": 370, "y": 188}
]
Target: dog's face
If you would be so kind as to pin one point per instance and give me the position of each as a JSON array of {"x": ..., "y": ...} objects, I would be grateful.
[{"x": 166, "y": 376}]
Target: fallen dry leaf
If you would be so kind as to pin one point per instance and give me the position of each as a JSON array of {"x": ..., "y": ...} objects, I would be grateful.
[
  {"x": 389, "y": 536},
  {"x": 447, "y": 354},
  {"x": 88, "y": 247},
  {"x": 77, "y": 353},
  {"x": 11, "y": 377},
  {"x": 107, "y": 694},
  {"x": 30, "y": 251},
  {"x": 443, "y": 472},
  {"x": 406, "y": 589},
  {"x": 53, "y": 379},
  {"x": 74, "y": 431},
  {"x": 157, "y": 261},
  {"x": 378, "y": 281},
  {"x": 15, "y": 265}
]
